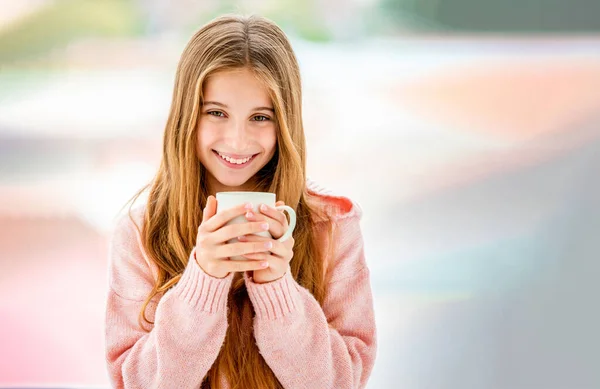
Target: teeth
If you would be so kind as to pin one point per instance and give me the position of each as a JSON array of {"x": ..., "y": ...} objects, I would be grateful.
[{"x": 233, "y": 160}]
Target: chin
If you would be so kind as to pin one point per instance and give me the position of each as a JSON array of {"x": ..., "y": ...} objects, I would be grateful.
[
  {"x": 232, "y": 180},
  {"x": 232, "y": 183}
]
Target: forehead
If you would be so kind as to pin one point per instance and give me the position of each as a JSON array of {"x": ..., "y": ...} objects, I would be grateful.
[{"x": 237, "y": 87}]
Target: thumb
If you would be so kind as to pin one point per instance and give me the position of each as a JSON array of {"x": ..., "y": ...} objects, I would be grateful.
[{"x": 211, "y": 208}]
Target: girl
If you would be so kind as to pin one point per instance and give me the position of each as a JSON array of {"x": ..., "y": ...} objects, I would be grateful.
[{"x": 293, "y": 314}]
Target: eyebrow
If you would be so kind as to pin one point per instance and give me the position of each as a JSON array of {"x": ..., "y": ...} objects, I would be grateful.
[{"x": 225, "y": 106}]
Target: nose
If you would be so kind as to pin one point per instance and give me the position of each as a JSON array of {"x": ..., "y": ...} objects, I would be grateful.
[{"x": 237, "y": 135}]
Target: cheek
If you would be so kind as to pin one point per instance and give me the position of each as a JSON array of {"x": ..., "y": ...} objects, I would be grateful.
[
  {"x": 207, "y": 135},
  {"x": 269, "y": 140}
]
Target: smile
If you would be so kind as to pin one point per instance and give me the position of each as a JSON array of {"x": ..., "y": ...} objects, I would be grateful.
[{"x": 238, "y": 162}]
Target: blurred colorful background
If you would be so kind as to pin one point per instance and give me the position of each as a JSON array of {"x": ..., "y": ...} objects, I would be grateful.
[{"x": 468, "y": 131}]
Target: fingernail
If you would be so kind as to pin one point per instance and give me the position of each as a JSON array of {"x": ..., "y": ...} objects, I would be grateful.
[
  {"x": 268, "y": 245},
  {"x": 264, "y": 226},
  {"x": 249, "y": 214},
  {"x": 264, "y": 264},
  {"x": 248, "y": 206},
  {"x": 263, "y": 207}
]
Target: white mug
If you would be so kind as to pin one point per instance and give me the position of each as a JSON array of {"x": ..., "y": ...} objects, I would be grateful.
[{"x": 226, "y": 200}]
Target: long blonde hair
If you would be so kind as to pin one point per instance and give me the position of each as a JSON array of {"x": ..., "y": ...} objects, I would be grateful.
[{"x": 178, "y": 192}]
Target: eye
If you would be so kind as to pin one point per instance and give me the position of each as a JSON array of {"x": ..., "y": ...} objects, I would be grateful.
[
  {"x": 215, "y": 113},
  {"x": 261, "y": 118}
]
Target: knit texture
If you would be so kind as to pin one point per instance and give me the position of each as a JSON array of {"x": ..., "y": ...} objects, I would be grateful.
[{"x": 306, "y": 345}]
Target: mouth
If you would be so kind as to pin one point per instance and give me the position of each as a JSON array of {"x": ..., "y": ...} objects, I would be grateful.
[{"x": 235, "y": 161}]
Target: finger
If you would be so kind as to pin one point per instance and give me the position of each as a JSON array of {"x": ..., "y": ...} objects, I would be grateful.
[
  {"x": 281, "y": 249},
  {"x": 279, "y": 227},
  {"x": 233, "y": 231},
  {"x": 277, "y": 204},
  {"x": 273, "y": 214},
  {"x": 253, "y": 216},
  {"x": 221, "y": 218},
  {"x": 257, "y": 256},
  {"x": 240, "y": 266},
  {"x": 275, "y": 228},
  {"x": 276, "y": 264},
  {"x": 253, "y": 238},
  {"x": 242, "y": 248},
  {"x": 210, "y": 209}
]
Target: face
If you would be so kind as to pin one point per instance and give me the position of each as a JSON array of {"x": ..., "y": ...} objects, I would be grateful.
[{"x": 236, "y": 130}]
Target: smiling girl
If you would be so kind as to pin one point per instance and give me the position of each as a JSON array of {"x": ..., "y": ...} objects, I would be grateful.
[{"x": 292, "y": 314}]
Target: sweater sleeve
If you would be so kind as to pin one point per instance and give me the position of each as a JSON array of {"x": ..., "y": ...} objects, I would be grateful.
[
  {"x": 189, "y": 327},
  {"x": 309, "y": 346}
]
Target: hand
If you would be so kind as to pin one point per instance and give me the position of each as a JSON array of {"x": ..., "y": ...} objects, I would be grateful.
[
  {"x": 277, "y": 220},
  {"x": 212, "y": 249},
  {"x": 281, "y": 254}
]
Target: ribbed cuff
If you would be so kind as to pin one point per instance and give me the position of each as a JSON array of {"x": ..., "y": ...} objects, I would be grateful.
[
  {"x": 276, "y": 299},
  {"x": 201, "y": 290}
]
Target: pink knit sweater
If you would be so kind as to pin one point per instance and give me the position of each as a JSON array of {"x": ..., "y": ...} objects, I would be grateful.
[{"x": 306, "y": 345}]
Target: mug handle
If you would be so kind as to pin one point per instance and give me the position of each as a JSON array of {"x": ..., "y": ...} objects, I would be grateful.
[{"x": 292, "y": 225}]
